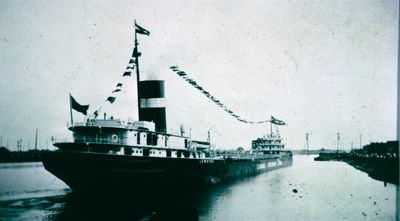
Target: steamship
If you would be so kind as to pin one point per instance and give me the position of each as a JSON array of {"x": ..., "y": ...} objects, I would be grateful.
[{"x": 109, "y": 154}]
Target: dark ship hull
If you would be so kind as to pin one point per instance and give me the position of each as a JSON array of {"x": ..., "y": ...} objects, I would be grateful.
[{"x": 89, "y": 172}]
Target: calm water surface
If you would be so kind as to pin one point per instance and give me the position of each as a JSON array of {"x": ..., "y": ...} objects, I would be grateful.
[{"x": 308, "y": 190}]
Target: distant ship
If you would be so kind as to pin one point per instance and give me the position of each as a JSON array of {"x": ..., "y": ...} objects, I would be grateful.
[{"x": 109, "y": 154}]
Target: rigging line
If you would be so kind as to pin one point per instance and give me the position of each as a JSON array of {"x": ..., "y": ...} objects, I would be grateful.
[{"x": 184, "y": 76}]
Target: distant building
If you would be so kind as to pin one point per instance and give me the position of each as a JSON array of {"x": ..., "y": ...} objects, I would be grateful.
[{"x": 4, "y": 151}]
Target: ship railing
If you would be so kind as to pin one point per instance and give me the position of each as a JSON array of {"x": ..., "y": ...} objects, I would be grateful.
[
  {"x": 94, "y": 139},
  {"x": 100, "y": 140},
  {"x": 112, "y": 139}
]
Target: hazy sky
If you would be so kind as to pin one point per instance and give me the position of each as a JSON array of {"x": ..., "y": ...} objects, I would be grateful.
[{"x": 324, "y": 67}]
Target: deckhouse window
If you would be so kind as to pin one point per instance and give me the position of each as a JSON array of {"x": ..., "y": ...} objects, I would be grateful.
[
  {"x": 149, "y": 141},
  {"x": 186, "y": 154},
  {"x": 128, "y": 151}
]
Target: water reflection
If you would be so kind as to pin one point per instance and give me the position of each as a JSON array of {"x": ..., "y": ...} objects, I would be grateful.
[
  {"x": 167, "y": 204},
  {"x": 177, "y": 205}
]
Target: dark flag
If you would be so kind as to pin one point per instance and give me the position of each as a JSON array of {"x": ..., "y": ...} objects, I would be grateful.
[
  {"x": 119, "y": 85},
  {"x": 141, "y": 30},
  {"x": 111, "y": 99},
  {"x": 129, "y": 67},
  {"x": 198, "y": 87},
  {"x": 96, "y": 114},
  {"x": 135, "y": 53},
  {"x": 76, "y": 106},
  {"x": 276, "y": 121},
  {"x": 131, "y": 61},
  {"x": 117, "y": 90},
  {"x": 174, "y": 68},
  {"x": 127, "y": 73}
]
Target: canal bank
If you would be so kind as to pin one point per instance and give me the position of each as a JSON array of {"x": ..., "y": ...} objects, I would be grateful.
[{"x": 378, "y": 160}]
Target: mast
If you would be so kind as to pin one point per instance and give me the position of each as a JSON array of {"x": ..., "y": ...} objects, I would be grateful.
[
  {"x": 209, "y": 140},
  {"x": 136, "y": 55},
  {"x": 36, "y": 139},
  {"x": 270, "y": 124},
  {"x": 70, "y": 109},
  {"x": 307, "y": 142}
]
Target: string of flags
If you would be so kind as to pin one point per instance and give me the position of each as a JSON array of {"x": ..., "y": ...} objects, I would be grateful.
[
  {"x": 132, "y": 64},
  {"x": 128, "y": 72},
  {"x": 183, "y": 75}
]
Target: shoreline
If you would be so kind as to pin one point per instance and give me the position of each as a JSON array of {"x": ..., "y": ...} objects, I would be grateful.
[{"x": 379, "y": 168}]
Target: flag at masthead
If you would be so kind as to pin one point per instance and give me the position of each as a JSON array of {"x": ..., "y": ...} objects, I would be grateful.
[
  {"x": 141, "y": 30},
  {"x": 276, "y": 121}
]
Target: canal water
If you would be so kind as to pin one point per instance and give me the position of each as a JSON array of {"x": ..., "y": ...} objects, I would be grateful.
[{"x": 308, "y": 190}]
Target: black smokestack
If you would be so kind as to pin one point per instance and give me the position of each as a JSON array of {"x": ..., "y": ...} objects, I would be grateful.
[{"x": 152, "y": 103}]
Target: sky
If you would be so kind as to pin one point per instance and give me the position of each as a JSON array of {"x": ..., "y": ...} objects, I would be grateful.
[{"x": 324, "y": 67}]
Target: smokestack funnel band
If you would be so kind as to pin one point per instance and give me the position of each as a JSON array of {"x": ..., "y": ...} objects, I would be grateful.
[{"x": 152, "y": 103}]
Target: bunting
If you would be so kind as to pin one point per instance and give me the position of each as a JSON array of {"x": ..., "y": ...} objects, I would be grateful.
[
  {"x": 126, "y": 73},
  {"x": 174, "y": 68},
  {"x": 128, "y": 70},
  {"x": 135, "y": 54},
  {"x": 111, "y": 99},
  {"x": 218, "y": 102}
]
